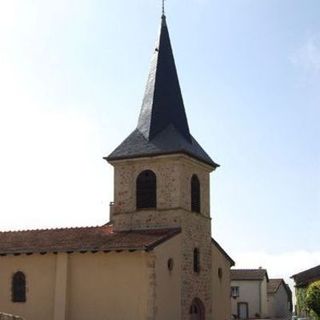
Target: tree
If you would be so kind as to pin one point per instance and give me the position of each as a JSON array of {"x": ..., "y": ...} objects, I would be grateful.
[{"x": 313, "y": 298}]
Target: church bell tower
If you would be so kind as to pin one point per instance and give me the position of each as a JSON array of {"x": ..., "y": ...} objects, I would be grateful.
[{"x": 161, "y": 176}]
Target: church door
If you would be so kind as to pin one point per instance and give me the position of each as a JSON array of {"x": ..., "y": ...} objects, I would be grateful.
[{"x": 197, "y": 311}]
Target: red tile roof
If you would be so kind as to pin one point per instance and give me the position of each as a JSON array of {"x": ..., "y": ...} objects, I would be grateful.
[
  {"x": 82, "y": 239},
  {"x": 249, "y": 274}
]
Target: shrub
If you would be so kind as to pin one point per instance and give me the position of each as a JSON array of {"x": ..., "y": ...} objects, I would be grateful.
[{"x": 313, "y": 298}]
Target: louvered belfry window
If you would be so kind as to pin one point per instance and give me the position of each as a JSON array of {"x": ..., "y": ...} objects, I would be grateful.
[
  {"x": 146, "y": 190},
  {"x": 19, "y": 287},
  {"x": 195, "y": 194}
]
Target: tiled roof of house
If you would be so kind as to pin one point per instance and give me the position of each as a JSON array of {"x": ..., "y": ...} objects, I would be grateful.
[
  {"x": 273, "y": 285},
  {"x": 92, "y": 239},
  {"x": 249, "y": 274},
  {"x": 305, "y": 277}
]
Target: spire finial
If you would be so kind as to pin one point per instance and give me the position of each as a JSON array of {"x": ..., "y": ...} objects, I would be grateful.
[{"x": 163, "y": 8}]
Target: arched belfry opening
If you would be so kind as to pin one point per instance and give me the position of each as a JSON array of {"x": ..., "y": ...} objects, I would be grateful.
[
  {"x": 197, "y": 310},
  {"x": 195, "y": 194},
  {"x": 146, "y": 190},
  {"x": 19, "y": 287}
]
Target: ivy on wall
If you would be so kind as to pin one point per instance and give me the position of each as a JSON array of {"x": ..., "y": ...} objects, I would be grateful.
[
  {"x": 302, "y": 304},
  {"x": 313, "y": 299},
  {"x": 301, "y": 294}
]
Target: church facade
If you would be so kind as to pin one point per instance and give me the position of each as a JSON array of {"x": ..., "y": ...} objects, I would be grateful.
[{"x": 156, "y": 258}]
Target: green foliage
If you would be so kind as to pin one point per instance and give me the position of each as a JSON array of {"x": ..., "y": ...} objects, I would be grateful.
[
  {"x": 301, "y": 294},
  {"x": 313, "y": 298}
]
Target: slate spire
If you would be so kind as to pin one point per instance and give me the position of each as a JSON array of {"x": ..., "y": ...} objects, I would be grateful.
[
  {"x": 162, "y": 126},
  {"x": 162, "y": 103}
]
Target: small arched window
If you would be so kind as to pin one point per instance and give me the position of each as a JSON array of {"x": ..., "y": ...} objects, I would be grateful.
[
  {"x": 196, "y": 260},
  {"x": 195, "y": 194},
  {"x": 19, "y": 287},
  {"x": 146, "y": 188}
]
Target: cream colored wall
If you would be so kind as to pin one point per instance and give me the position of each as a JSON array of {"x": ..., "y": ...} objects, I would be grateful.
[
  {"x": 40, "y": 282},
  {"x": 98, "y": 284},
  {"x": 249, "y": 291},
  {"x": 105, "y": 284},
  {"x": 168, "y": 283},
  {"x": 221, "y": 304}
]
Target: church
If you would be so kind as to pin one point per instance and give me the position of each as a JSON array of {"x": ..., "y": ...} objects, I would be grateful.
[{"x": 156, "y": 258}]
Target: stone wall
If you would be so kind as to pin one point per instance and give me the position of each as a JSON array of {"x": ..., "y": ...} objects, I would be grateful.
[
  {"x": 174, "y": 173},
  {"x": 4, "y": 316}
]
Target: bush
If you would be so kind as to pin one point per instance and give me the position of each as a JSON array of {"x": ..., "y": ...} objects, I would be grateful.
[{"x": 313, "y": 298}]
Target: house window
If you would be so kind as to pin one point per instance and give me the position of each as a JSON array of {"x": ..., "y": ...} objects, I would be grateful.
[
  {"x": 234, "y": 292},
  {"x": 19, "y": 287},
  {"x": 146, "y": 189},
  {"x": 195, "y": 194},
  {"x": 196, "y": 260}
]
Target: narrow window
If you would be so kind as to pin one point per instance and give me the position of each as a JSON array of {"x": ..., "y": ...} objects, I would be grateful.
[
  {"x": 195, "y": 194},
  {"x": 146, "y": 190},
  {"x": 196, "y": 260},
  {"x": 234, "y": 292},
  {"x": 19, "y": 287}
]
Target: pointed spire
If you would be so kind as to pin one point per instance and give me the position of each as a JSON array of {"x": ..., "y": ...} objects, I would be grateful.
[
  {"x": 162, "y": 126},
  {"x": 162, "y": 103}
]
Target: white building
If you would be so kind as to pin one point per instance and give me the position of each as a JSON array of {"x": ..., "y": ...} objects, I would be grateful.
[{"x": 249, "y": 293}]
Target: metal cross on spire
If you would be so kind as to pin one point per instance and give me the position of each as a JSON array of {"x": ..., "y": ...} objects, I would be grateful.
[{"x": 163, "y": 8}]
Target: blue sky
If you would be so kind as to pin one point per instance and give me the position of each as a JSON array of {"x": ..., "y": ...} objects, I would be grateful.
[{"x": 71, "y": 85}]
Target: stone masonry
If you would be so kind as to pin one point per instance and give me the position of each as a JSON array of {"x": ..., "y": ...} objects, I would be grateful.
[{"x": 173, "y": 174}]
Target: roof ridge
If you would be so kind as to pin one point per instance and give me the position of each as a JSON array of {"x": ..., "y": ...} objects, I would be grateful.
[
  {"x": 52, "y": 229},
  {"x": 257, "y": 269}
]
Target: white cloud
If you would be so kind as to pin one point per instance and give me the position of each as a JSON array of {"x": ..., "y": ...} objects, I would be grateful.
[{"x": 308, "y": 55}]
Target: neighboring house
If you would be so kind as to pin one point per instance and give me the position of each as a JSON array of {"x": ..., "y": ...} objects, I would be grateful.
[
  {"x": 156, "y": 258},
  {"x": 279, "y": 299},
  {"x": 302, "y": 281},
  {"x": 249, "y": 293}
]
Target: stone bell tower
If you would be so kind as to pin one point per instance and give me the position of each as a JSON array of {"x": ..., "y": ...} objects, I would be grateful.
[{"x": 161, "y": 178}]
